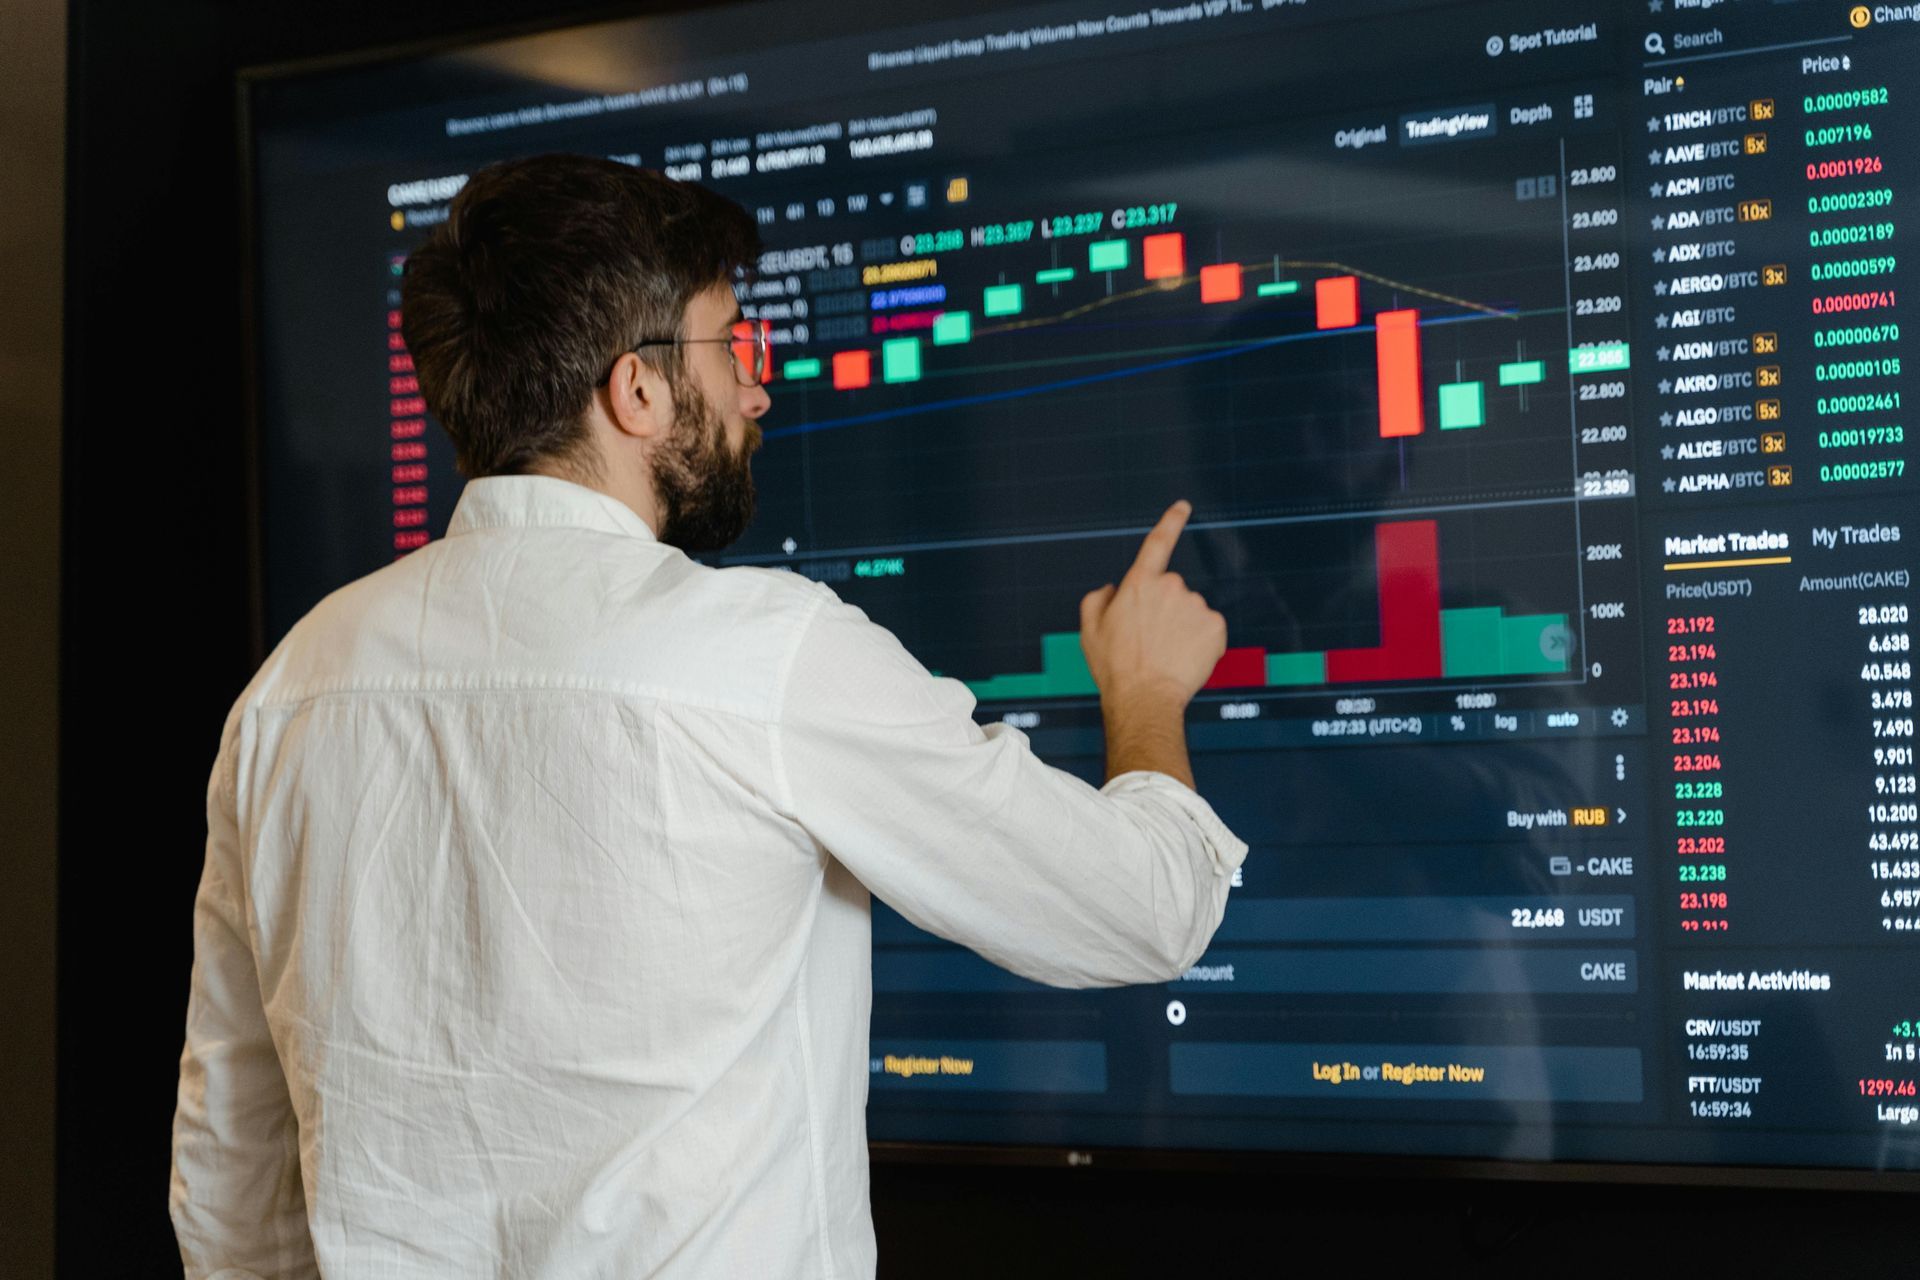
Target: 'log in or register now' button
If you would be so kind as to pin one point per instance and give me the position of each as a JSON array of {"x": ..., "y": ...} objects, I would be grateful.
[
  {"x": 1485, "y": 1073},
  {"x": 990, "y": 1066}
]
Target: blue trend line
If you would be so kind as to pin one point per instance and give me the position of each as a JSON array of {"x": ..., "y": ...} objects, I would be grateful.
[{"x": 1015, "y": 393}]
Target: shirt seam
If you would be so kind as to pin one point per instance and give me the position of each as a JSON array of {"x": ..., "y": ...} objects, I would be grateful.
[
  {"x": 481, "y": 523},
  {"x": 490, "y": 503},
  {"x": 800, "y": 1005},
  {"x": 322, "y": 690},
  {"x": 776, "y": 722}
]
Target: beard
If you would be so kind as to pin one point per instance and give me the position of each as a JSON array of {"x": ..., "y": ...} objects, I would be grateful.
[{"x": 704, "y": 488}]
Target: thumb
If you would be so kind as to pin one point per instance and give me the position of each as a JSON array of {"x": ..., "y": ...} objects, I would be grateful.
[{"x": 1093, "y": 607}]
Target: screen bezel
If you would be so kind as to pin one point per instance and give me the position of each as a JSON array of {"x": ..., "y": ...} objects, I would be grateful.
[{"x": 1275, "y": 1162}]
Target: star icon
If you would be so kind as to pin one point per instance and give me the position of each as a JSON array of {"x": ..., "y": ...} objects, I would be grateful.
[
  {"x": 1663, "y": 353},
  {"x": 1659, "y": 255},
  {"x": 1660, "y": 321},
  {"x": 1659, "y": 288},
  {"x": 1666, "y": 451},
  {"x": 1666, "y": 419},
  {"x": 1653, "y": 125},
  {"x": 1653, "y": 157},
  {"x": 1666, "y": 385},
  {"x": 1653, "y": 6},
  {"x": 1659, "y": 222},
  {"x": 1668, "y": 484},
  {"x": 1654, "y": 191}
]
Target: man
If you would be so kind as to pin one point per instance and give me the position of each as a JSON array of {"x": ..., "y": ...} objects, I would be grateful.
[{"x": 533, "y": 938}]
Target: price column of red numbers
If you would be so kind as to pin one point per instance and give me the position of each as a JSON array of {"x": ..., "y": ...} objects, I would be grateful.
[{"x": 1698, "y": 774}]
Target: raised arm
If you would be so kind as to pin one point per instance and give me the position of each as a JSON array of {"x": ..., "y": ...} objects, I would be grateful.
[{"x": 970, "y": 836}]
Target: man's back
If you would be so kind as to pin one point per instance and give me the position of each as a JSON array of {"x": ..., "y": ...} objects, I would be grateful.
[
  {"x": 526, "y": 842},
  {"x": 533, "y": 939}
]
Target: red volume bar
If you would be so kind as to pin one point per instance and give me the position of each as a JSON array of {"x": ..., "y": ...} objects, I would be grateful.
[
  {"x": 1406, "y": 558},
  {"x": 1336, "y": 302},
  {"x": 1396, "y": 345},
  {"x": 1239, "y": 669}
]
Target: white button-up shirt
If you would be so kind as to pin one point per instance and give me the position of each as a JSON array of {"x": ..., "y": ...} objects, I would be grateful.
[{"x": 533, "y": 938}]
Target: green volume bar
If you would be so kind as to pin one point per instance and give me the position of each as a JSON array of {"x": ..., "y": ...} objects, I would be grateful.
[
  {"x": 1485, "y": 642},
  {"x": 1001, "y": 687},
  {"x": 1533, "y": 645},
  {"x": 1462, "y": 404},
  {"x": 1470, "y": 642},
  {"x": 1296, "y": 668},
  {"x": 1065, "y": 663},
  {"x": 1053, "y": 275},
  {"x": 1107, "y": 255},
  {"x": 1063, "y": 673},
  {"x": 1001, "y": 300},
  {"x": 1523, "y": 373},
  {"x": 800, "y": 370}
]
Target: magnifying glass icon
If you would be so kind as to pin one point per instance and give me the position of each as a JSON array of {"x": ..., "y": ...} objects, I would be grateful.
[{"x": 1656, "y": 44}]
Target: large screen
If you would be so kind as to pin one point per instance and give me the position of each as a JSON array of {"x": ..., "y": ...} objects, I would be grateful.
[{"x": 1535, "y": 373}]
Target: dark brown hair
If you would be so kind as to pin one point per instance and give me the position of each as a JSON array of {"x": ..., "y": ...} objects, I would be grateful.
[{"x": 545, "y": 271}]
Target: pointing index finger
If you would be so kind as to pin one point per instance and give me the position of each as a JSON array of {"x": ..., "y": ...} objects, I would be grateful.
[{"x": 1157, "y": 550}]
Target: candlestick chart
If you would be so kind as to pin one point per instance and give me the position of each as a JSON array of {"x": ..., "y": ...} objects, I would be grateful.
[{"x": 1369, "y": 385}]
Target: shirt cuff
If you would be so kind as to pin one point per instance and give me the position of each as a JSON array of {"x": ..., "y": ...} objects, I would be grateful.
[{"x": 1227, "y": 849}]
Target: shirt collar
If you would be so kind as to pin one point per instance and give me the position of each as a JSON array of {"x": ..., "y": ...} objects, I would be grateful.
[{"x": 519, "y": 502}]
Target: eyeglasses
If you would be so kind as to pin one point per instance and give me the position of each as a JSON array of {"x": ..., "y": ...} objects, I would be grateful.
[{"x": 750, "y": 342}]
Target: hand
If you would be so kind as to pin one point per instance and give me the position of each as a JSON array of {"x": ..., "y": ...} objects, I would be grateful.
[{"x": 1150, "y": 639}]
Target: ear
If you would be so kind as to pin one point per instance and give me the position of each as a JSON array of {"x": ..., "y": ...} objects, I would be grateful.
[{"x": 639, "y": 402}]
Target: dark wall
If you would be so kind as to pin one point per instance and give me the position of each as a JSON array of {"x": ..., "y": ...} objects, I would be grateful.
[
  {"x": 32, "y": 108},
  {"x": 155, "y": 622},
  {"x": 154, "y": 647}
]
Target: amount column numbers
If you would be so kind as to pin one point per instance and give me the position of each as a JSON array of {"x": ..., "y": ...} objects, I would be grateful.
[
  {"x": 1699, "y": 789},
  {"x": 1893, "y": 808}
]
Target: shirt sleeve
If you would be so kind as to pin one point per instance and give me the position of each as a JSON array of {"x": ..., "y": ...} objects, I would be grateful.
[
  {"x": 239, "y": 1210},
  {"x": 966, "y": 833}
]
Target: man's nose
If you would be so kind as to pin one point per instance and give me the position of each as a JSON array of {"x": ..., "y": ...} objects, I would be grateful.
[{"x": 754, "y": 402}]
